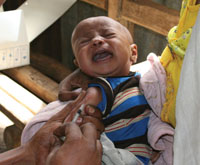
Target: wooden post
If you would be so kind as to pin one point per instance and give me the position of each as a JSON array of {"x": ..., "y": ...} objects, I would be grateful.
[{"x": 114, "y": 11}]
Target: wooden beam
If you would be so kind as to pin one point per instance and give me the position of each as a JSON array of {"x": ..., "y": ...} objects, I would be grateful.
[
  {"x": 49, "y": 66},
  {"x": 98, "y": 3},
  {"x": 5, "y": 121},
  {"x": 20, "y": 94},
  {"x": 15, "y": 112},
  {"x": 145, "y": 13},
  {"x": 150, "y": 15},
  {"x": 39, "y": 84}
]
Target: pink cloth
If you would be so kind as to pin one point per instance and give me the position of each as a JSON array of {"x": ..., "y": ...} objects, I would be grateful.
[
  {"x": 40, "y": 119},
  {"x": 152, "y": 83},
  {"x": 160, "y": 134},
  {"x": 161, "y": 137}
]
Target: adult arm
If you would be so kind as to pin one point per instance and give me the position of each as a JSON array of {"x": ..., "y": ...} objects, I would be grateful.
[{"x": 21, "y": 155}]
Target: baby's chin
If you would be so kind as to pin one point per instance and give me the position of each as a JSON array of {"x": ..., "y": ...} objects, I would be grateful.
[
  {"x": 111, "y": 73},
  {"x": 102, "y": 74},
  {"x": 105, "y": 71}
]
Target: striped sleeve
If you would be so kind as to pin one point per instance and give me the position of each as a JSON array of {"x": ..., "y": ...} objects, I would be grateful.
[{"x": 107, "y": 94}]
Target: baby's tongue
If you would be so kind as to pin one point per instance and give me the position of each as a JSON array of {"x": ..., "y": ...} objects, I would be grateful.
[{"x": 101, "y": 56}]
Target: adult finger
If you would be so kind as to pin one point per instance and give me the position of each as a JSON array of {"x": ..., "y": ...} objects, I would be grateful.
[
  {"x": 73, "y": 112},
  {"x": 60, "y": 116},
  {"x": 99, "y": 149},
  {"x": 72, "y": 132},
  {"x": 67, "y": 95},
  {"x": 93, "y": 111},
  {"x": 60, "y": 131},
  {"x": 52, "y": 153},
  {"x": 93, "y": 115},
  {"x": 89, "y": 131},
  {"x": 98, "y": 123}
]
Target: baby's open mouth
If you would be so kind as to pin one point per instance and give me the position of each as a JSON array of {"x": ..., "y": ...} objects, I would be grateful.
[{"x": 101, "y": 56}]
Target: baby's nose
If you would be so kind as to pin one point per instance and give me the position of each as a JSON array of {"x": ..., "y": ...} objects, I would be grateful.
[{"x": 98, "y": 41}]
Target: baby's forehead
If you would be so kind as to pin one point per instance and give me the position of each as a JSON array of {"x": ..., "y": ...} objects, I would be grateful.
[{"x": 98, "y": 23}]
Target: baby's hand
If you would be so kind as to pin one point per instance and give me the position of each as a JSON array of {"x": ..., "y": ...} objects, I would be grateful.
[
  {"x": 92, "y": 115},
  {"x": 76, "y": 79}
]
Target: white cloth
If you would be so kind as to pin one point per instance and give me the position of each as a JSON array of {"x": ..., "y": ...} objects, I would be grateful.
[
  {"x": 114, "y": 156},
  {"x": 187, "y": 132}
]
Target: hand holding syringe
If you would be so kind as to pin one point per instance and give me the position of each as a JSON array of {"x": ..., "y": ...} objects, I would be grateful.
[{"x": 78, "y": 113}]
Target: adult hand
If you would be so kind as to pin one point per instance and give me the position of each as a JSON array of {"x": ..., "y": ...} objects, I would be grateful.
[
  {"x": 38, "y": 148},
  {"x": 41, "y": 142},
  {"x": 77, "y": 79},
  {"x": 81, "y": 146},
  {"x": 92, "y": 115}
]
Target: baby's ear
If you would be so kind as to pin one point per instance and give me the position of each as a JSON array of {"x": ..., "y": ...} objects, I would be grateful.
[
  {"x": 134, "y": 53},
  {"x": 76, "y": 63}
]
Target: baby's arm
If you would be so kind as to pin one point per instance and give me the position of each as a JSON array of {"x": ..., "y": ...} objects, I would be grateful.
[
  {"x": 91, "y": 113},
  {"x": 93, "y": 96}
]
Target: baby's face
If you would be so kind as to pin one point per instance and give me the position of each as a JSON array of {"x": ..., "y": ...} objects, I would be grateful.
[{"x": 102, "y": 48}]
